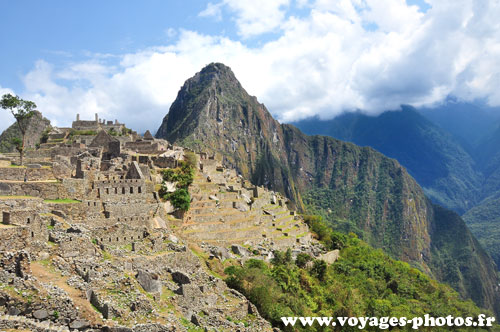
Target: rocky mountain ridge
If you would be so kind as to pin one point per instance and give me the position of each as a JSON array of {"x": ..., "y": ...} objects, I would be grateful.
[{"x": 349, "y": 185}]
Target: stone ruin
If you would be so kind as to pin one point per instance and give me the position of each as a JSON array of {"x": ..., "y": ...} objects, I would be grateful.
[{"x": 99, "y": 249}]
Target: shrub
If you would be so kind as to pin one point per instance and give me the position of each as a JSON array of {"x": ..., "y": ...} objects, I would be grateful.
[
  {"x": 180, "y": 199},
  {"x": 302, "y": 260}
]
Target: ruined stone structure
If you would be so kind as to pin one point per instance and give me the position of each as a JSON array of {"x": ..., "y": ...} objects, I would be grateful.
[
  {"x": 96, "y": 124},
  {"x": 85, "y": 236}
]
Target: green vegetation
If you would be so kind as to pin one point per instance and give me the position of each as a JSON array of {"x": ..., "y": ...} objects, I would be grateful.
[
  {"x": 180, "y": 199},
  {"x": 64, "y": 200},
  {"x": 483, "y": 221},
  {"x": 126, "y": 131},
  {"x": 74, "y": 132},
  {"x": 362, "y": 282},
  {"x": 113, "y": 132},
  {"x": 184, "y": 176}
]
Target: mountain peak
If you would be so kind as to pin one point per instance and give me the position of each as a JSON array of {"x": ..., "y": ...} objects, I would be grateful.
[
  {"x": 213, "y": 99},
  {"x": 218, "y": 68},
  {"x": 214, "y": 72}
]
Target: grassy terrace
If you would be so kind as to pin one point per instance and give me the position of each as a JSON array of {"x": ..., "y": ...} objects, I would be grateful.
[{"x": 64, "y": 201}]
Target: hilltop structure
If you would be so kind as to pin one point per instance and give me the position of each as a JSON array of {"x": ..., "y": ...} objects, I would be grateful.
[
  {"x": 97, "y": 124},
  {"x": 85, "y": 234}
]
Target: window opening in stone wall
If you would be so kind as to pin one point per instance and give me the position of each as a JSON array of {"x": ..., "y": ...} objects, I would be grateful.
[{"x": 6, "y": 218}]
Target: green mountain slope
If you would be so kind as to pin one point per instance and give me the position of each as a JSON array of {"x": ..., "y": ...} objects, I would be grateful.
[
  {"x": 432, "y": 156},
  {"x": 363, "y": 282},
  {"x": 484, "y": 218},
  {"x": 352, "y": 186}
]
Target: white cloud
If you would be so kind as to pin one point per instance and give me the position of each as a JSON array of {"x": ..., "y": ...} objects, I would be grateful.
[
  {"x": 321, "y": 64},
  {"x": 252, "y": 17},
  {"x": 212, "y": 10}
]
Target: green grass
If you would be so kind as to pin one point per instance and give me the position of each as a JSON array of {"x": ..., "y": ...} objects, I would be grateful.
[
  {"x": 106, "y": 256},
  {"x": 45, "y": 262},
  {"x": 65, "y": 201}
]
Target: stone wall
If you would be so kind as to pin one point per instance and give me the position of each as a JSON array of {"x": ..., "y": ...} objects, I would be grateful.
[
  {"x": 76, "y": 245},
  {"x": 45, "y": 190},
  {"x": 73, "y": 189},
  {"x": 114, "y": 189},
  {"x": 72, "y": 210},
  {"x": 32, "y": 203},
  {"x": 25, "y": 217},
  {"x": 165, "y": 162},
  {"x": 84, "y": 139},
  {"x": 119, "y": 234},
  {"x": 51, "y": 153},
  {"x": 85, "y": 125},
  {"x": 146, "y": 147},
  {"x": 14, "y": 238},
  {"x": 32, "y": 174},
  {"x": 36, "y": 189},
  {"x": 132, "y": 211}
]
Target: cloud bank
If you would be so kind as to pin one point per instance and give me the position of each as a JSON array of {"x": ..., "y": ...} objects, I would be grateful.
[{"x": 341, "y": 55}]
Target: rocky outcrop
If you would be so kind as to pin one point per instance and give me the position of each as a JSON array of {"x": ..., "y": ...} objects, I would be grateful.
[{"x": 37, "y": 125}]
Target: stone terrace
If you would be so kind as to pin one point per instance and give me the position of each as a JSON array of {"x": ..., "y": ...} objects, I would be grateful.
[{"x": 226, "y": 210}]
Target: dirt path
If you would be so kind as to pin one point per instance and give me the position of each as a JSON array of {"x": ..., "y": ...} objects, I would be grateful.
[{"x": 79, "y": 298}]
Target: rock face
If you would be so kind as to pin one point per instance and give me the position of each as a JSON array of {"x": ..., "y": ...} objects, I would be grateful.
[
  {"x": 432, "y": 156},
  {"x": 214, "y": 114},
  {"x": 149, "y": 281},
  {"x": 37, "y": 125}
]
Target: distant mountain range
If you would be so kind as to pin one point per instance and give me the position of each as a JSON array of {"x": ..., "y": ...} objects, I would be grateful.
[
  {"x": 355, "y": 188},
  {"x": 453, "y": 151}
]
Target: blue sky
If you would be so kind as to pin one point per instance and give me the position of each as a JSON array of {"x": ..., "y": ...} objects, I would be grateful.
[
  {"x": 127, "y": 59},
  {"x": 61, "y": 31}
]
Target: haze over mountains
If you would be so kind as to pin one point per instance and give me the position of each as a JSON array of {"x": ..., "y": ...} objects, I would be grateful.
[
  {"x": 453, "y": 151},
  {"x": 354, "y": 188}
]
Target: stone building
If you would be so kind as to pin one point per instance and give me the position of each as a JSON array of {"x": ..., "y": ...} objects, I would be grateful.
[{"x": 96, "y": 124}]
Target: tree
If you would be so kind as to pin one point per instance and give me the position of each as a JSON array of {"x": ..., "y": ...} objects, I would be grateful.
[
  {"x": 22, "y": 110},
  {"x": 180, "y": 199}
]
